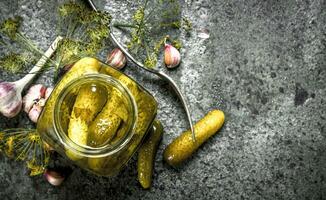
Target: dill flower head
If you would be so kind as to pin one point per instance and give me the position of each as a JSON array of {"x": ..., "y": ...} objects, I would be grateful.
[
  {"x": 98, "y": 33},
  {"x": 84, "y": 32},
  {"x": 151, "y": 60},
  {"x": 25, "y": 145},
  {"x": 70, "y": 8},
  {"x": 14, "y": 62},
  {"x": 10, "y": 26},
  {"x": 139, "y": 15}
]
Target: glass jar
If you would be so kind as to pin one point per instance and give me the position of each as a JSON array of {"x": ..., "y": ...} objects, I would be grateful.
[{"x": 97, "y": 117}]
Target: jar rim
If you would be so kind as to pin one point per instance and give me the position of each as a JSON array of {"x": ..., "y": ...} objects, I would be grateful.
[{"x": 85, "y": 150}]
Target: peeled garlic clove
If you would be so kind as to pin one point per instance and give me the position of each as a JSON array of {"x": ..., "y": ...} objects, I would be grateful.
[
  {"x": 53, "y": 177},
  {"x": 116, "y": 59},
  {"x": 34, "y": 93},
  {"x": 172, "y": 56},
  {"x": 48, "y": 93},
  {"x": 35, "y": 112},
  {"x": 10, "y": 99}
]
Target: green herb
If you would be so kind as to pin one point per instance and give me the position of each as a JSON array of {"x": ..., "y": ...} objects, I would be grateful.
[
  {"x": 14, "y": 62},
  {"x": 10, "y": 28},
  {"x": 85, "y": 33},
  {"x": 25, "y": 145},
  {"x": 149, "y": 25},
  {"x": 177, "y": 44}
]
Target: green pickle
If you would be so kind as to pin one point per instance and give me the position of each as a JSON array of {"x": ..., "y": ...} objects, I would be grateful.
[
  {"x": 83, "y": 114},
  {"x": 147, "y": 153},
  {"x": 89, "y": 101}
]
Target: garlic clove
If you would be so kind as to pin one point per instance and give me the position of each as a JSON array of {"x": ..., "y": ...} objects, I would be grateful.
[
  {"x": 172, "y": 56},
  {"x": 53, "y": 177},
  {"x": 34, "y": 93},
  {"x": 35, "y": 112},
  {"x": 41, "y": 102},
  {"x": 116, "y": 59},
  {"x": 12, "y": 109},
  {"x": 10, "y": 99},
  {"x": 48, "y": 93}
]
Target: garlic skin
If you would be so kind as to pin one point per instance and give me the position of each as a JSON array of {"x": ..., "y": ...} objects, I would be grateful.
[
  {"x": 54, "y": 177},
  {"x": 172, "y": 56},
  {"x": 10, "y": 99},
  {"x": 116, "y": 59},
  {"x": 48, "y": 93},
  {"x": 35, "y": 112},
  {"x": 34, "y": 93},
  {"x": 35, "y": 100}
]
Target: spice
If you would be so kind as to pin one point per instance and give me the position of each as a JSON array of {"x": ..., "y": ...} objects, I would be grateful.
[
  {"x": 34, "y": 93},
  {"x": 25, "y": 145},
  {"x": 172, "y": 56},
  {"x": 53, "y": 177},
  {"x": 116, "y": 59},
  {"x": 149, "y": 24}
]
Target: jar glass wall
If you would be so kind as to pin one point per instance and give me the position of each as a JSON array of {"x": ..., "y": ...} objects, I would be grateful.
[{"x": 97, "y": 117}]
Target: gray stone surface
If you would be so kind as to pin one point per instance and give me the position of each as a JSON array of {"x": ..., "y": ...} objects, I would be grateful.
[{"x": 264, "y": 64}]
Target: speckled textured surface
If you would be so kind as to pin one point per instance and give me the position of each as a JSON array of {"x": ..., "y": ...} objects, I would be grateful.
[{"x": 264, "y": 64}]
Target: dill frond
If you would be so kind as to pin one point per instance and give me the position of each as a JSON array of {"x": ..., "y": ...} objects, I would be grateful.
[
  {"x": 14, "y": 62},
  {"x": 10, "y": 27},
  {"x": 149, "y": 26},
  {"x": 85, "y": 33},
  {"x": 25, "y": 145},
  {"x": 177, "y": 44},
  {"x": 186, "y": 24},
  {"x": 150, "y": 60},
  {"x": 139, "y": 15}
]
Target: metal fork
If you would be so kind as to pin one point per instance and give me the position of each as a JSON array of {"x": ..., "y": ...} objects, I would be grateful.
[{"x": 154, "y": 71}]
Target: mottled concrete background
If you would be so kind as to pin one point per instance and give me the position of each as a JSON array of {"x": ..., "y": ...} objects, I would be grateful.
[{"x": 264, "y": 64}]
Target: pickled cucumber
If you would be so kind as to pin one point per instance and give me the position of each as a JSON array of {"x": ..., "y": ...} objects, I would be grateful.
[
  {"x": 183, "y": 146},
  {"x": 106, "y": 125},
  {"x": 89, "y": 101},
  {"x": 147, "y": 153},
  {"x": 83, "y": 66}
]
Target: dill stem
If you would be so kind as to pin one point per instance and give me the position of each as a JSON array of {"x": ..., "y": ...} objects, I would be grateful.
[
  {"x": 125, "y": 25},
  {"x": 25, "y": 41}
]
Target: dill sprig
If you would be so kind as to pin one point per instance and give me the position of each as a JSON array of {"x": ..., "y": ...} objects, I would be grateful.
[
  {"x": 85, "y": 33},
  {"x": 10, "y": 28},
  {"x": 25, "y": 145},
  {"x": 149, "y": 25},
  {"x": 16, "y": 62}
]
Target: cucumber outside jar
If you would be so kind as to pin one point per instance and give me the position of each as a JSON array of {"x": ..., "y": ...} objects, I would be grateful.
[{"x": 97, "y": 117}]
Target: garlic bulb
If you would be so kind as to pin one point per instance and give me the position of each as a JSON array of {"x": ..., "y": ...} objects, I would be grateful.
[
  {"x": 116, "y": 59},
  {"x": 53, "y": 177},
  {"x": 172, "y": 56},
  {"x": 10, "y": 103}
]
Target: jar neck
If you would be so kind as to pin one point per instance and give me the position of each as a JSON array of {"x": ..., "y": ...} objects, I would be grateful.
[{"x": 86, "y": 150}]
